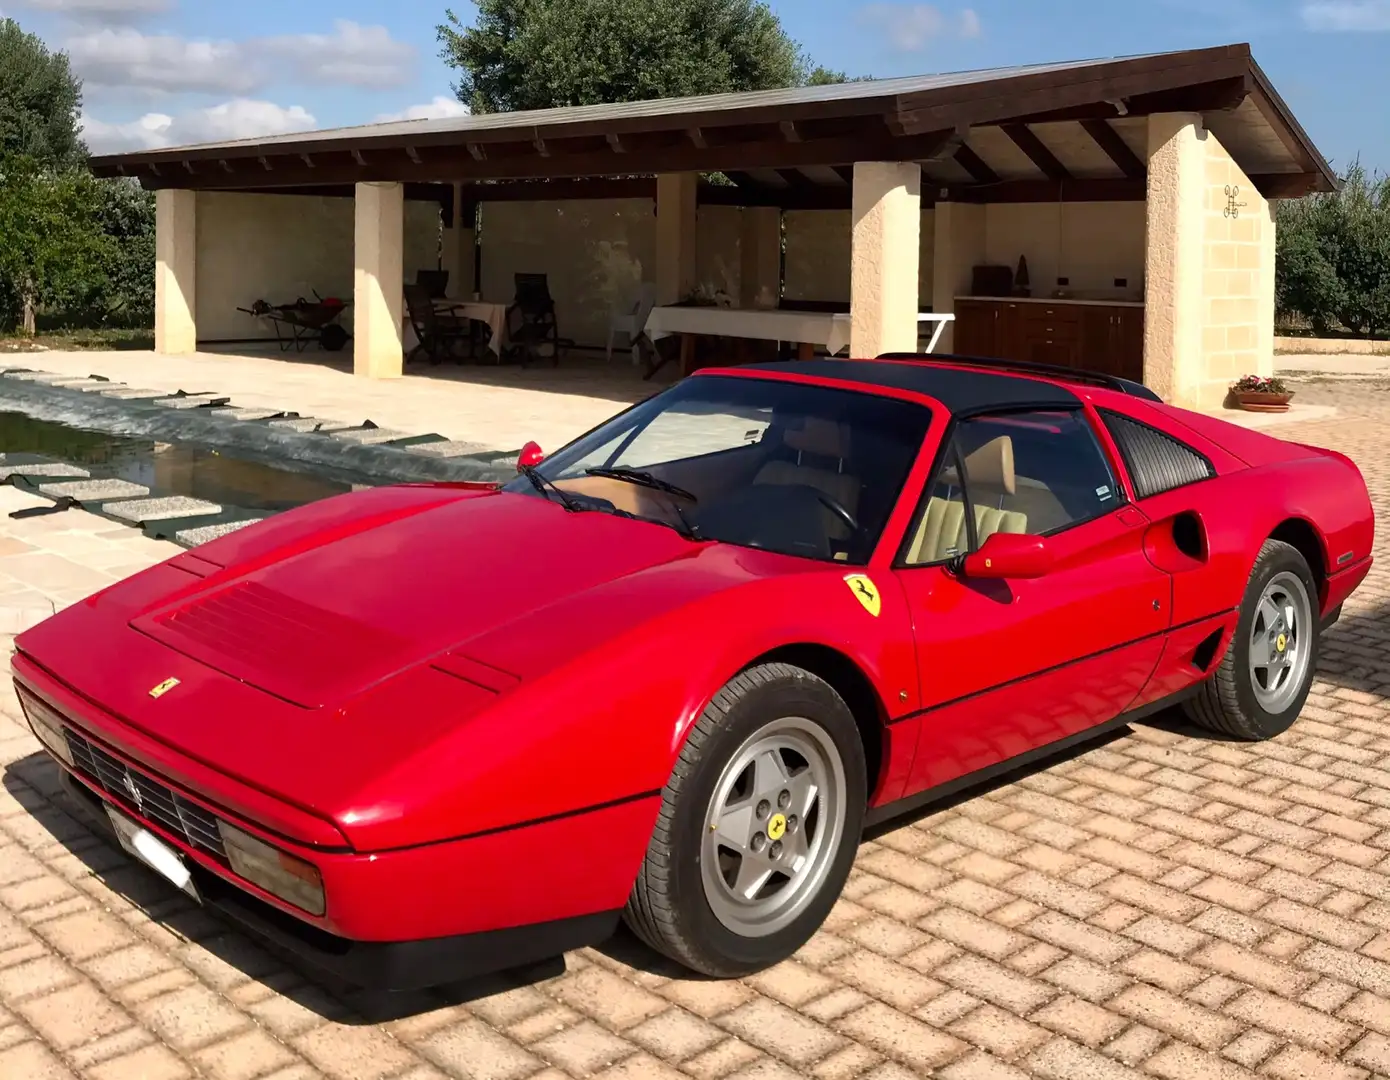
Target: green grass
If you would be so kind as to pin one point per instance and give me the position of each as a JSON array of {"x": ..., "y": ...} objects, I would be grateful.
[{"x": 78, "y": 340}]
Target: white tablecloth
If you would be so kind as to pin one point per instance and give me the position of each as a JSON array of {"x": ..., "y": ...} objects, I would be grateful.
[
  {"x": 494, "y": 315},
  {"x": 830, "y": 329}
]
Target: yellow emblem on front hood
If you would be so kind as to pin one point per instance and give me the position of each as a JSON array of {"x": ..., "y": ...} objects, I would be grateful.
[{"x": 163, "y": 688}]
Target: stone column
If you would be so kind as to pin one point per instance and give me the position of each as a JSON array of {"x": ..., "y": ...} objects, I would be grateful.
[
  {"x": 884, "y": 257},
  {"x": 760, "y": 256},
  {"x": 1174, "y": 257},
  {"x": 378, "y": 296},
  {"x": 176, "y": 271},
  {"x": 675, "y": 236}
]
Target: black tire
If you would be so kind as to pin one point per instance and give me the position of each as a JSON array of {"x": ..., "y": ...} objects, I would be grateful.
[
  {"x": 668, "y": 908},
  {"x": 1226, "y": 703}
]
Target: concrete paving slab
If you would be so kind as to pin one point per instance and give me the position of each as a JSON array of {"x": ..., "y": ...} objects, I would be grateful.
[
  {"x": 129, "y": 393},
  {"x": 188, "y": 401},
  {"x": 55, "y": 468},
  {"x": 159, "y": 509},
  {"x": 205, "y": 533},
  {"x": 309, "y": 423},
  {"x": 369, "y": 436},
  {"x": 232, "y": 412},
  {"x": 94, "y": 490},
  {"x": 447, "y": 449}
]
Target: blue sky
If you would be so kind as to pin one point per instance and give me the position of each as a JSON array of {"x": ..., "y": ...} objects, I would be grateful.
[{"x": 161, "y": 72}]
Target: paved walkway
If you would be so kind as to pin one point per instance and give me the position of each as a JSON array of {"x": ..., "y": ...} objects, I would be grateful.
[
  {"x": 499, "y": 407},
  {"x": 1164, "y": 906}
]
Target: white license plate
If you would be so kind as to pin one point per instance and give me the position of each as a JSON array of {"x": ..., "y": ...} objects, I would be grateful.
[{"x": 153, "y": 852}]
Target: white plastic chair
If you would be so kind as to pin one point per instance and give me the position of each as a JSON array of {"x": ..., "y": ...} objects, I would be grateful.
[{"x": 632, "y": 321}]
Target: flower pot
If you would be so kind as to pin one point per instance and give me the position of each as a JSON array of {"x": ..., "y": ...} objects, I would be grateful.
[{"x": 1255, "y": 401}]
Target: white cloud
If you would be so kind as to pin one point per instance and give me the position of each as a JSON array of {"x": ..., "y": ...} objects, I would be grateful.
[
  {"x": 105, "y": 11},
  {"x": 439, "y": 109},
  {"x": 240, "y": 118},
  {"x": 353, "y": 55},
  {"x": 1353, "y": 16},
  {"x": 912, "y": 27},
  {"x": 154, "y": 64}
]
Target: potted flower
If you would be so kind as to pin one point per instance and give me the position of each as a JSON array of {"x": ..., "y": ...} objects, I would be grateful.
[{"x": 1258, "y": 393}]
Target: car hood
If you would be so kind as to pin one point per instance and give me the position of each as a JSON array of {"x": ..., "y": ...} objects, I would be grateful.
[{"x": 324, "y": 623}]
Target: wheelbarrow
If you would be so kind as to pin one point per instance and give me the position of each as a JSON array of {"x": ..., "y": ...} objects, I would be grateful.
[{"x": 304, "y": 321}]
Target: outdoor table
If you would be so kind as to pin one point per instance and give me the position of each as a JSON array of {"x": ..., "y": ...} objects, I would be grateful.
[
  {"x": 483, "y": 311},
  {"x": 806, "y": 329}
]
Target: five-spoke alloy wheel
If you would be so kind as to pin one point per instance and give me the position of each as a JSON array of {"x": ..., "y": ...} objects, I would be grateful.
[{"x": 758, "y": 827}]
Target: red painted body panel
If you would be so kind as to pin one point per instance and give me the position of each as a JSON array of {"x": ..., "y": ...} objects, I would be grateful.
[{"x": 422, "y": 687}]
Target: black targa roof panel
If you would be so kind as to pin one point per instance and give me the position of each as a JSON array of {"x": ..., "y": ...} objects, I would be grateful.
[{"x": 960, "y": 390}]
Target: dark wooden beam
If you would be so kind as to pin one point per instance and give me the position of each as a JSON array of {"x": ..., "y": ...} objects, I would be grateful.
[
  {"x": 1291, "y": 142},
  {"x": 1023, "y": 137},
  {"x": 1116, "y": 149},
  {"x": 795, "y": 178},
  {"x": 845, "y": 173},
  {"x": 972, "y": 163},
  {"x": 524, "y": 163}
]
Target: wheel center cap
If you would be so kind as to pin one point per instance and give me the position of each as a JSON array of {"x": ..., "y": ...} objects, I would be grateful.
[
  {"x": 1281, "y": 642},
  {"x": 776, "y": 826}
]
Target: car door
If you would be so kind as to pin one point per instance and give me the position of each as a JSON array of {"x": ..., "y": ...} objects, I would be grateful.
[{"x": 1009, "y": 666}]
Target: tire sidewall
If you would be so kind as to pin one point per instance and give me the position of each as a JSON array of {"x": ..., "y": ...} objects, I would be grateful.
[
  {"x": 1278, "y": 560},
  {"x": 813, "y": 700}
]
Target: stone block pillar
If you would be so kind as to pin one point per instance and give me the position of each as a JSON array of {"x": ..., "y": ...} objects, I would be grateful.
[
  {"x": 378, "y": 287},
  {"x": 675, "y": 235},
  {"x": 176, "y": 271},
  {"x": 884, "y": 257}
]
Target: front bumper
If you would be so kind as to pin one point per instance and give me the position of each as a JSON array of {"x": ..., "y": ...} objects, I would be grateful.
[{"x": 383, "y": 965}]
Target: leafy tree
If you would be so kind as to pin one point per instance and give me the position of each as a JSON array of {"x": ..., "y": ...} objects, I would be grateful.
[
  {"x": 1333, "y": 265},
  {"x": 53, "y": 248},
  {"x": 538, "y": 54},
  {"x": 39, "y": 100}
]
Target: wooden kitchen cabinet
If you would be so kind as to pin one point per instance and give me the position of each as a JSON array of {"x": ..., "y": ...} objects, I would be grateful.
[{"x": 1098, "y": 337}]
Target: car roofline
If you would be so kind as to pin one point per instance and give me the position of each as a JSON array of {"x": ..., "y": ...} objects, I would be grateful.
[{"x": 1056, "y": 374}]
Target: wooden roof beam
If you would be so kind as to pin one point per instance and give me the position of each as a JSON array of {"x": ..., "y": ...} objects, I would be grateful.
[
  {"x": 975, "y": 165},
  {"x": 1116, "y": 149},
  {"x": 1024, "y": 138}
]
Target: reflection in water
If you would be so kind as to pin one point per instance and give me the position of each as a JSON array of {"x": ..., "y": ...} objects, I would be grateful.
[{"x": 165, "y": 468}]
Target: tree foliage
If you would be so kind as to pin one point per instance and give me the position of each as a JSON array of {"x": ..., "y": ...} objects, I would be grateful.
[
  {"x": 39, "y": 99},
  {"x": 540, "y": 54},
  {"x": 77, "y": 249},
  {"x": 1333, "y": 266}
]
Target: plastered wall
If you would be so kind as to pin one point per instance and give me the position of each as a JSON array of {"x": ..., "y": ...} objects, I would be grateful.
[
  {"x": 817, "y": 255},
  {"x": 280, "y": 247}
]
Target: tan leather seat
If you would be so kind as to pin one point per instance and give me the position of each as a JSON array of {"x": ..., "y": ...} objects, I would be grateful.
[
  {"x": 942, "y": 533},
  {"x": 824, "y": 439}
]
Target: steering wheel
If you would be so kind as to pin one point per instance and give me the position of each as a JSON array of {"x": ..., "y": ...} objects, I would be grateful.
[{"x": 837, "y": 508}]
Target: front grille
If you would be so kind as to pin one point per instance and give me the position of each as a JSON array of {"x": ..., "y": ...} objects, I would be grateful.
[{"x": 147, "y": 797}]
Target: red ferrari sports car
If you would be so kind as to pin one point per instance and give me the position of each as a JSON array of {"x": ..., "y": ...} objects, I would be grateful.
[{"x": 669, "y": 673}]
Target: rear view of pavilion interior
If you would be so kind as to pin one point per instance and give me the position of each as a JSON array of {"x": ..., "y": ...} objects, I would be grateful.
[{"x": 1115, "y": 214}]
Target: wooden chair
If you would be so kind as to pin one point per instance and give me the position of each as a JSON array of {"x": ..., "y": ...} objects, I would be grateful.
[
  {"x": 438, "y": 334},
  {"x": 436, "y": 281},
  {"x": 532, "y": 330}
]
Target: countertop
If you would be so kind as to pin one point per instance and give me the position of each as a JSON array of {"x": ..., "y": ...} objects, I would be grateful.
[{"x": 1048, "y": 300}]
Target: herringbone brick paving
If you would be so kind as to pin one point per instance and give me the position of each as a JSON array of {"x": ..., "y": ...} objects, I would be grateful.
[{"x": 1164, "y": 905}]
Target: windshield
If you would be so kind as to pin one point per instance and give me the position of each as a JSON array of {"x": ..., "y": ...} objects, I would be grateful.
[{"x": 787, "y": 467}]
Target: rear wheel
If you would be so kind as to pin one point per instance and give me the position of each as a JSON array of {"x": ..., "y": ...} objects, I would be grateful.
[
  {"x": 758, "y": 827},
  {"x": 1260, "y": 685}
]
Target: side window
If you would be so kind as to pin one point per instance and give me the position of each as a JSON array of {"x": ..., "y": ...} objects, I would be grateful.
[{"x": 1031, "y": 472}]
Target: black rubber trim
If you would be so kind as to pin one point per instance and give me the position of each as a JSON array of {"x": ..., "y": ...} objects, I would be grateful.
[
  {"x": 382, "y": 965},
  {"x": 1058, "y": 667},
  {"x": 877, "y": 815},
  {"x": 1156, "y": 461}
]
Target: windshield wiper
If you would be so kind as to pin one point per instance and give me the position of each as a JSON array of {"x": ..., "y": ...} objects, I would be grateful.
[
  {"x": 647, "y": 480},
  {"x": 545, "y": 487}
]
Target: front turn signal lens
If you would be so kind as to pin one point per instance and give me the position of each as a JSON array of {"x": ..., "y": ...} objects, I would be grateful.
[{"x": 277, "y": 872}]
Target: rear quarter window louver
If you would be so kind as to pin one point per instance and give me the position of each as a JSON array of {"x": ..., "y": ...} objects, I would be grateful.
[{"x": 1156, "y": 462}]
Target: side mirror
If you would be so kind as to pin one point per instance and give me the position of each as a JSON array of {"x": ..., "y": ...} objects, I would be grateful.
[
  {"x": 1008, "y": 555},
  {"x": 530, "y": 455}
]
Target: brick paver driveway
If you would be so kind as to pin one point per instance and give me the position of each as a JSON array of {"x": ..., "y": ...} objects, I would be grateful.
[{"x": 1164, "y": 904}]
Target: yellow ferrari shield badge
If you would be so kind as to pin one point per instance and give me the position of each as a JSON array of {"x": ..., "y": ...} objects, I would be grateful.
[
  {"x": 776, "y": 827},
  {"x": 865, "y": 591},
  {"x": 163, "y": 688},
  {"x": 1281, "y": 643}
]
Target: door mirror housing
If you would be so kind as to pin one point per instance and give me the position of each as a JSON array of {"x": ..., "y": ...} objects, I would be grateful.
[
  {"x": 1008, "y": 555},
  {"x": 531, "y": 454}
]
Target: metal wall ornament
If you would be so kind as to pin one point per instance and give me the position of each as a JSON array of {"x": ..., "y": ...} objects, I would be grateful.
[{"x": 1232, "y": 207}]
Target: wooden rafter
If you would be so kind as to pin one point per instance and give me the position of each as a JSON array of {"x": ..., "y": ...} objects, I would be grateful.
[
  {"x": 1116, "y": 149},
  {"x": 972, "y": 163},
  {"x": 1022, "y": 136}
]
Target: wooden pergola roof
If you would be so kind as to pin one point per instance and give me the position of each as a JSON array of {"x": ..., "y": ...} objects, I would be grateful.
[{"x": 1040, "y": 133}]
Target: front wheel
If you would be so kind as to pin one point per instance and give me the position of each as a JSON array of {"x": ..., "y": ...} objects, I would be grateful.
[
  {"x": 1260, "y": 686},
  {"x": 758, "y": 827}
]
